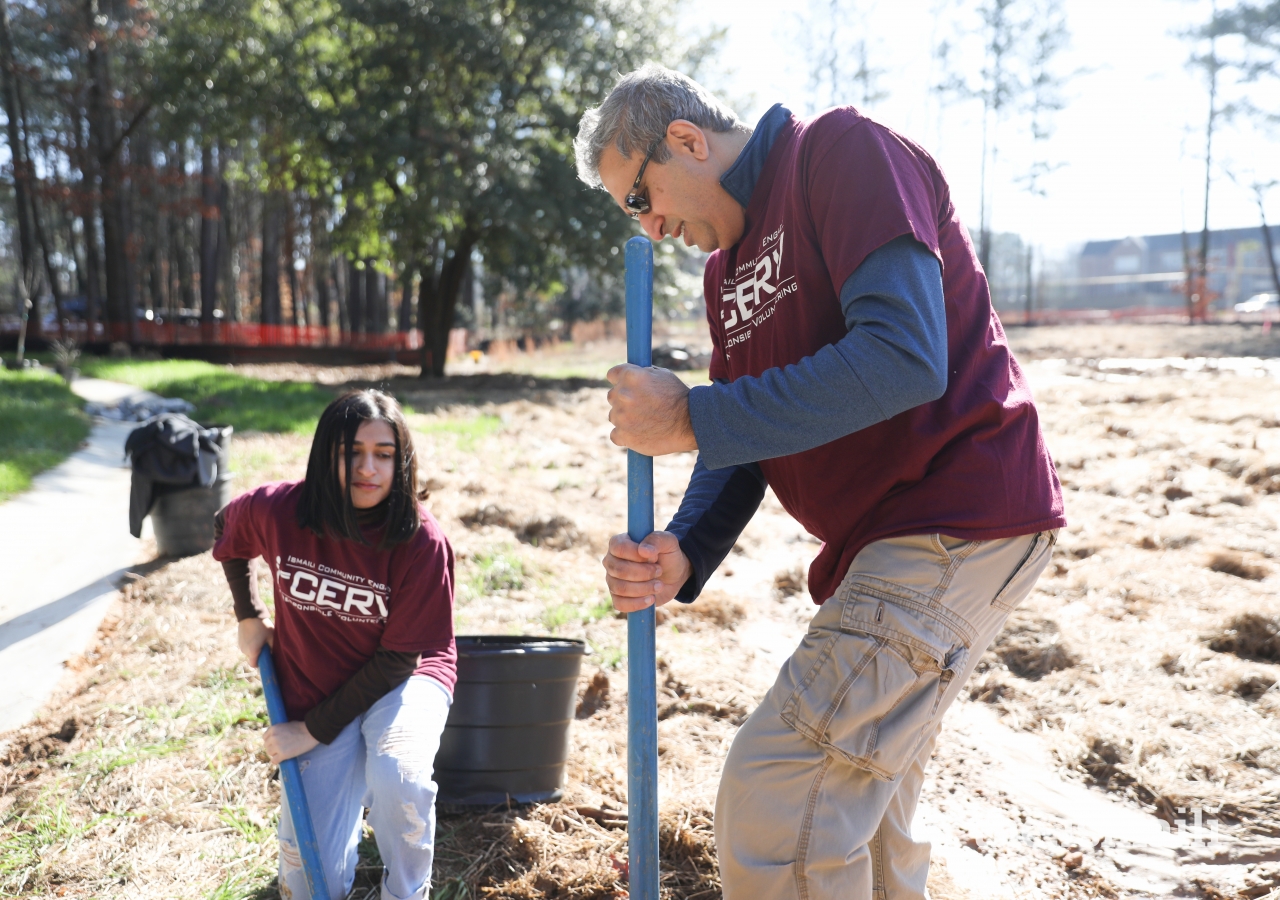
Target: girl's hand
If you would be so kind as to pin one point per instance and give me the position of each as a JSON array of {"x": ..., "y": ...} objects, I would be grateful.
[
  {"x": 251, "y": 634},
  {"x": 287, "y": 740}
]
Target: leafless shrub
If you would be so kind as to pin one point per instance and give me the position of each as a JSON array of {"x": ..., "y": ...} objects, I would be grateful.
[
  {"x": 1253, "y": 685},
  {"x": 789, "y": 582},
  {"x": 1102, "y": 763},
  {"x": 1249, "y": 636},
  {"x": 714, "y": 607},
  {"x": 675, "y": 698},
  {"x": 1231, "y": 563},
  {"x": 1264, "y": 478},
  {"x": 595, "y": 696},
  {"x": 990, "y": 688},
  {"x": 1033, "y": 648},
  {"x": 557, "y": 532},
  {"x": 489, "y": 514}
]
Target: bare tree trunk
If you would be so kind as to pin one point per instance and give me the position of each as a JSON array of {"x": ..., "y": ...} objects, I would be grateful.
[
  {"x": 404, "y": 321},
  {"x": 356, "y": 297},
  {"x": 320, "y": 264},
  {"x": 102, "y": 129},
  {"x": 297, "y": 287},
  {"x": 1202, "y": 287},
  {"x": 88, "y": 162},
  {"x": 437, "y": 304},
  {"x": 22, "y": 171},
  {"x": 341, "y": 272},
  {"x": 50, "y": 275},
  {"x": 210, "y": 214},
  {"x": 1267, "y": 240},
  {"x": 228, "y": 289},
  {"x": 186, "y": 275},
  {"x": 375, "y": 297},
  {"x": 272, "y": 225}
]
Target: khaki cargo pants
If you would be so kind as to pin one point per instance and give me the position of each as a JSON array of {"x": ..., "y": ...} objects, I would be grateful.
[{"x": 821, "y": 782}]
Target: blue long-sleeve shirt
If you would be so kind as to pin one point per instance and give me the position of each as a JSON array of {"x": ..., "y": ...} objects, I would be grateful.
[{"x": 892, "y": 358}]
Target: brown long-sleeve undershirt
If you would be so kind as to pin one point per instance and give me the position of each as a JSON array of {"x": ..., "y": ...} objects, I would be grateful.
[{"x": 384, "y": 672}]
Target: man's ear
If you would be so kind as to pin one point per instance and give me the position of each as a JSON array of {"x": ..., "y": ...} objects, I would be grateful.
[{"x": 684, "y": 136}]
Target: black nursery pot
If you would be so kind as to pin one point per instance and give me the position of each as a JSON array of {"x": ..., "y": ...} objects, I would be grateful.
[{"x": 507, "y": 736}]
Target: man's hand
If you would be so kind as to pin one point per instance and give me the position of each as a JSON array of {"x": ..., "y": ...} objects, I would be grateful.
[
  {"x": 287, "y": 740},
  {"x": 649, "y": 409},
  {"x": 251, "y": 634},
  {"x": 649, "y": 573}
]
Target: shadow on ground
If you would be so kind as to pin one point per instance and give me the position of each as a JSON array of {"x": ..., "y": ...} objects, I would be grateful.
[{"x": 429, "y": 395}]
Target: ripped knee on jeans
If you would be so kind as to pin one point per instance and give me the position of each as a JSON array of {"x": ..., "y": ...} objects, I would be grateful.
[
  {"x": 413, "y": 752},
  {"x": 416, "y": 834},
  {"x": 290, "y": 862}
]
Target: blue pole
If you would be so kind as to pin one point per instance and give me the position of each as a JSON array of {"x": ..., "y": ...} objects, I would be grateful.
[
  {"x": 295, "y": 796},
  {"x": 642, "y": 692}
]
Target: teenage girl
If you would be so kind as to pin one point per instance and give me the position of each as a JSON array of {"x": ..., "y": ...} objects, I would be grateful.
[{"x": 362, "y": 640}]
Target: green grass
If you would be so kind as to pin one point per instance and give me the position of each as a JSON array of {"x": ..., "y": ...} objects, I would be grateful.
[
  {"x": 220, "y": 395},
  {"x": 557, "y": 616},
  {"x": 41, "y": 424},
  {"x": 469, "y": 432},
  {"x": 29, "y": 835},
  {"x": 496, "y": 570}
]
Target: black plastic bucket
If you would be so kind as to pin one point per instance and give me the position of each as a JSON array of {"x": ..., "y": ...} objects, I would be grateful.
[
  {"x": 507, "y": 736},
  {"x": 183, "y": 519}
]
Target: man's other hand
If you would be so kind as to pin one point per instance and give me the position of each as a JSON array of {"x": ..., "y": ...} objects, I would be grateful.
[
  {"x": 649, "y": 409},
  {"x": 649, "y": 573}
]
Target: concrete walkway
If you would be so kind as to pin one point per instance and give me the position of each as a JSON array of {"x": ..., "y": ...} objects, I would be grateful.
[{"x": 65, "y": 545}]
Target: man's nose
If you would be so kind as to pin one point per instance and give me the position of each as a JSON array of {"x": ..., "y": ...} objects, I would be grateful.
[{"x": 652, "y": 226}]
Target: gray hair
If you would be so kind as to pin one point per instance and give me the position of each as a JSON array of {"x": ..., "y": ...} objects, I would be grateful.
[{"x": 637, "y": 112}]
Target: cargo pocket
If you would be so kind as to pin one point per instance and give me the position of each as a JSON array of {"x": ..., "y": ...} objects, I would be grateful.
[
  {"x": 1009, "y": 591},
  {"x": 874, "y": 689}
]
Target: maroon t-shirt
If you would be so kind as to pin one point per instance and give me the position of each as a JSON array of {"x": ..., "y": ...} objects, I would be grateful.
[
  {"x": 971, "y": 464},
  {"x": 337, "y": 601}
]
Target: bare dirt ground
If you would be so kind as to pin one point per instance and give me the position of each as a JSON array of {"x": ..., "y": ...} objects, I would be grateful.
[{"x": 1121, "y": 739}]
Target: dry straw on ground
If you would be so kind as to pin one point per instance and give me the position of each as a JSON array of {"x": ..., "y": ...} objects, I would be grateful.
[{"x": 1146, "y": 658}]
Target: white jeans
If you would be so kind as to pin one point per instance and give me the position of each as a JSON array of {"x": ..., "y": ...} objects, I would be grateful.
[
  {"x": 820, "y": 785},
  {"x": 381, "y": 761}
]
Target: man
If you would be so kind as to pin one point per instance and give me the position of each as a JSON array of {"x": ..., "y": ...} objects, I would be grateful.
[{"x": 860, "y": 370}]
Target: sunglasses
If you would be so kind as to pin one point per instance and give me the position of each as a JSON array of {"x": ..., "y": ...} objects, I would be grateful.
[{"x": 637, "y": 203}]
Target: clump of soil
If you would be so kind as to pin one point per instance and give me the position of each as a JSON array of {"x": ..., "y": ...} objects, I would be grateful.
[
  {"x": 1032, "y": 648},
  {"x": 1250, "y": 636},
  {"x": 1253, "y": 685},
  {"x": 1264, "y": 478},
  {"x": 790, "y": 582},
  {"x": 711, "y": 607},
  {"x": 1102, "y": 763},
  {"x": 595, "y": 696},
  {"x": 485, "y": 516},
  {"x": 44, "y": 746},
  {"x": 1236, "y": 564},
  {"x": 556, "y": 532}
]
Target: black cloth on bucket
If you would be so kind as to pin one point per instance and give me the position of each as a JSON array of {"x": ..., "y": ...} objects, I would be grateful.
[{"x": 170, "y": 452}]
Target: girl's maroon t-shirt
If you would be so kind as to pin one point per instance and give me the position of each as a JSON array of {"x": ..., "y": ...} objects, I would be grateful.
[
  {"x": 337, "y": 601},
  {"x": 973, "y": 463}
]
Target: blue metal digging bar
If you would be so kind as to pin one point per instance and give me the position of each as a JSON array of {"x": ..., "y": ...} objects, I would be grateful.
[
  {"x": 642, "y": 692},
  {"x": 299, "y": 811}
]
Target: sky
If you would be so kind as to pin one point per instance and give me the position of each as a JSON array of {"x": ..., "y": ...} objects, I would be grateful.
[{"x": 1129, "y": 145}]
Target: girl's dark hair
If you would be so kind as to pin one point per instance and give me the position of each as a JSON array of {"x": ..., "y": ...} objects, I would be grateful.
[{"x": 324, "y": 506}]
